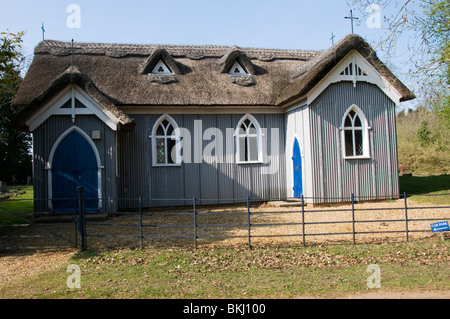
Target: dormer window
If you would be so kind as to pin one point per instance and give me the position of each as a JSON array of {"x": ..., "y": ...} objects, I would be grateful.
[
  {"x": 161, "y": 68},
  {"x": 237, "y": 70}
]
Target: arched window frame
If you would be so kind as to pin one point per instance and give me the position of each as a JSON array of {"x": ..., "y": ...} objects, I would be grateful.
[
  {"x": 174, "y": 136},
  {"x": 241, "y": 135},
  {"x": 364, "y": 128}
]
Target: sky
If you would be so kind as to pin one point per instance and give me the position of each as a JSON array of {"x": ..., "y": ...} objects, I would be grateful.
[{"x": 280, "y": 24}]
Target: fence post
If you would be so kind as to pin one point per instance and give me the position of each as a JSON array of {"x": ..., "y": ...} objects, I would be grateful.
[
  {"x": 75, "y": 221},
  {"x": 303, "y": 221},
  {"x": 353, "y": 217},
  {"x": 406, "y": 217},
  {"x": 195, "y": 222},
  {"x": 81, "y": 219},
  {"x": 141, "y": 244},
  {"x": 248, "y": 222}
]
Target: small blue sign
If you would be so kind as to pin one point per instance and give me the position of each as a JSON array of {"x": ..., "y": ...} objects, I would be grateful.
[{"x": 439, "y": 226}]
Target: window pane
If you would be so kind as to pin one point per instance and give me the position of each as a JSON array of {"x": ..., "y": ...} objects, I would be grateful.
[
  {"x": 358, "y": 142},
  {"x": 253, "y": 148},
  {"x": 348, "y": 121},
  {"x": 165, "y": 123},
  {"x": 252, "y": 129},
  {"x": 171, "y": 154},
  {"x": 160, "y": 130},
  {"x": 160, "y": 151},
  {"x": 242, "y": 149},
  {"x": 169, "y": 130},
  {"x": 357, "y": 121},
  {"x": 352, "y": 114},
  {"x": 349, "y": 143}
]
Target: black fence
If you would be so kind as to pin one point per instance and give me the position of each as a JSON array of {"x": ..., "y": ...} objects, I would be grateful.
[{"x": 197, "y": 223}]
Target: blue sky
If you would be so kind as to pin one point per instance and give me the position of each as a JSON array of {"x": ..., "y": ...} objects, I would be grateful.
[{"x": 282, "y": 24}]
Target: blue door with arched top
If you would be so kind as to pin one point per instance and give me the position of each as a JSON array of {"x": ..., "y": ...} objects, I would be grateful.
[
  {"x": 297, "y": 169},
  {"x": 74, "y": 165}
]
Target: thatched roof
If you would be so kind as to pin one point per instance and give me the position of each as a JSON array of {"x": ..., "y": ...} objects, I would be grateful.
[
  {"x": 117, "y": 75},
  {"x": 307, "y": 75}
]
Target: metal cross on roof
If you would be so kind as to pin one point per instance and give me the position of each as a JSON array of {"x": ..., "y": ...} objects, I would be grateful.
[
  {"x": 43, "y": 31},
  {"x": 351, "y": 17},
  {"x": 332, "y": 38}
]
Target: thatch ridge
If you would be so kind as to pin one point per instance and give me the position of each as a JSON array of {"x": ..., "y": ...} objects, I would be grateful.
[{"x": 194, "y": 52}]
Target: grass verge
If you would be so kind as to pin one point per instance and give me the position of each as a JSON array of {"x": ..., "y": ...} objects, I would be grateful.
[
  {"x": 276, "y": 272},
  {"x": 427, "y": 187},
  {"x": 21, "y": 205}
]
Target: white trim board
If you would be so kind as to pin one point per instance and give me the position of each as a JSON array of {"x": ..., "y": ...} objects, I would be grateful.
[
  {"x": 370, "y": 75},
  {"x": 72, "y": 92},
  {"x": 189, "y": 109}
]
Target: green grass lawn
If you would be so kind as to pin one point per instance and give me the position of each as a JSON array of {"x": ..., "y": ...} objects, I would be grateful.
[
  {"x": 21, "y": 205},
  {"x": 427, "y": 185},
  {"x": 275, "y": 272}
]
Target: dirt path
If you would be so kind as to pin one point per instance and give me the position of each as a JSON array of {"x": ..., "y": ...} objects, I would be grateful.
[
  {"x": 406, "y": 294},
  {"x": 18, "y": 265}
]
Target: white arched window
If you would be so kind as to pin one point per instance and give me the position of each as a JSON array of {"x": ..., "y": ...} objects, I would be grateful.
[
  {"x": 248, "y": 140},
  {"x": 165, "y": 136},
  {"x": 355, "y": 134}
]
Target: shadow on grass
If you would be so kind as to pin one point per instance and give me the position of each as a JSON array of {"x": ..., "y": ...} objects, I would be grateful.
[{"x": 424, "y": 184}]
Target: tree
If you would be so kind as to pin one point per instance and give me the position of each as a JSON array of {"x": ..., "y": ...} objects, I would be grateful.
[
  {"x": 424, "y": 25},
  {"x": 15, "y": 158}
]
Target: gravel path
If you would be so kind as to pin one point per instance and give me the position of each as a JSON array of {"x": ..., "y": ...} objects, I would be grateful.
[{"x": 268, "y": 226}]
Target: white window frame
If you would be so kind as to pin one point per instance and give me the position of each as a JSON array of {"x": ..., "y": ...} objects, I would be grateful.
[
  {"x": 166, "y": 69},
  {"x": 175, "y": 136},
  {"x": 238, "y": 134},
  {"x": 242, "y": 71},
  {"x": 365, "y": 134}
]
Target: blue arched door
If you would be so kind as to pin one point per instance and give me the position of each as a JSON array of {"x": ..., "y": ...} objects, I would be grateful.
[
  {"x": 297, "y": 169},
  {"x": 74, "y": 165}
]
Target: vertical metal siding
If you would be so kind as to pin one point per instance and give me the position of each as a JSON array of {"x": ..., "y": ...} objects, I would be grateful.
[
  {"x": 213, "y": 182},
  {"x": 355, "y": 176}
]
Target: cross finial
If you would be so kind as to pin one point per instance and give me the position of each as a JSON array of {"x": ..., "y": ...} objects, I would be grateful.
[
  {"x": 332, "y": 38},
  {"x": 351, "y": 17},
  {"x": 43, "y": 31}
]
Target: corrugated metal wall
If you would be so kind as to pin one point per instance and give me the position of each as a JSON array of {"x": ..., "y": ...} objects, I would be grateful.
[
  {"x": 334, "y": 177},
  {"x": 45, "y": 136},
  {"x": 212, "y": 183},
  {"x": 325, "y": 173}
]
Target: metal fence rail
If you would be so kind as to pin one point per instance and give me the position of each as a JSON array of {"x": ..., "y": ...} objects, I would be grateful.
[{"x": 194, "y": 229}]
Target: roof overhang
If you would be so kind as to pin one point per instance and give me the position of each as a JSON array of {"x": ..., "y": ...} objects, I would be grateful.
[
  {"x": 308, "y": 77},
  {"x": 71, "y": 93},
  {"x": 81, "y": 87},
  {"x": 371, "y": 75}
]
